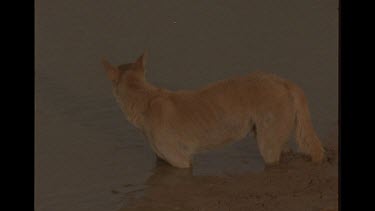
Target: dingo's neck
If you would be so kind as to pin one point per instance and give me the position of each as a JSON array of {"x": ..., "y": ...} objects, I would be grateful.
[{"x": 134, "y": 99}]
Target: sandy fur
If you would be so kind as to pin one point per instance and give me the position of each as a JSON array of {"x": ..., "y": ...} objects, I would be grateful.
[{"x": 182, "y": 123}]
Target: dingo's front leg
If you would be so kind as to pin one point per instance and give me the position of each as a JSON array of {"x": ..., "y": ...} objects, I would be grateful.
[
  {"x": 172, "y": 153},
  {"x": 175, "y": 157},
  {"x": 178, "y": 160}
]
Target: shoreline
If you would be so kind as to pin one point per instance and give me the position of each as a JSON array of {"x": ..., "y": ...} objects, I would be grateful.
[{"x": 294, "y": 184}]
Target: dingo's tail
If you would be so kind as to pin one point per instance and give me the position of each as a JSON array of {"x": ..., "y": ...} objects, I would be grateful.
[{"x": 306, "y": 137}]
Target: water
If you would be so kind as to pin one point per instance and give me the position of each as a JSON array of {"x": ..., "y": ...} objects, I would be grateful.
[{"x": 88, "y": 157}]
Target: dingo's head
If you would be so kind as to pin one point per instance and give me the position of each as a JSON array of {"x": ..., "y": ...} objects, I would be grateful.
[
  {"x": 126, "y": 73},
  {"x": 127, "y": 80}
]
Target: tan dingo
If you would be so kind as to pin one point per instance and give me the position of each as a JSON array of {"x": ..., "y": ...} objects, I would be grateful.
[{"x": 181, "y": 123}]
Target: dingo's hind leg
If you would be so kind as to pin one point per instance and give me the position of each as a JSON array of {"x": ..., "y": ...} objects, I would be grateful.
[
  {"x": 269, "y": 148},
  {"x": 272, "y": 137}
]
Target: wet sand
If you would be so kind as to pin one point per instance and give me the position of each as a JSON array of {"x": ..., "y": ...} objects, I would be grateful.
[
  {"x": 296, "y": 184},
  {"x": 88, "y": 157}
]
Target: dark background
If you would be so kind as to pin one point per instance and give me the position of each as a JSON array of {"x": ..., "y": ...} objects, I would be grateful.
[{"x": 84, "y": 146}]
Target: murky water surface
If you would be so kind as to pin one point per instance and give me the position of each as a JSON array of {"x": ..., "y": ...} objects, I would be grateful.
[{"x": 88, "y": 157}]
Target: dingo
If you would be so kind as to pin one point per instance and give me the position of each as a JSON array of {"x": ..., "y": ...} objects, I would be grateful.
[{"x": 181, "y": 123}]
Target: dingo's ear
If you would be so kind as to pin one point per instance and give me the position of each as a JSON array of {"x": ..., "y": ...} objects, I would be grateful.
[
  {"x": 113, "y": 72},
  {"x": 141, "y": 61}
]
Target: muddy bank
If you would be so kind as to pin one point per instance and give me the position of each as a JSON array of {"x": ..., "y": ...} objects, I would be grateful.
[{"x": 296, "y": 184}]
